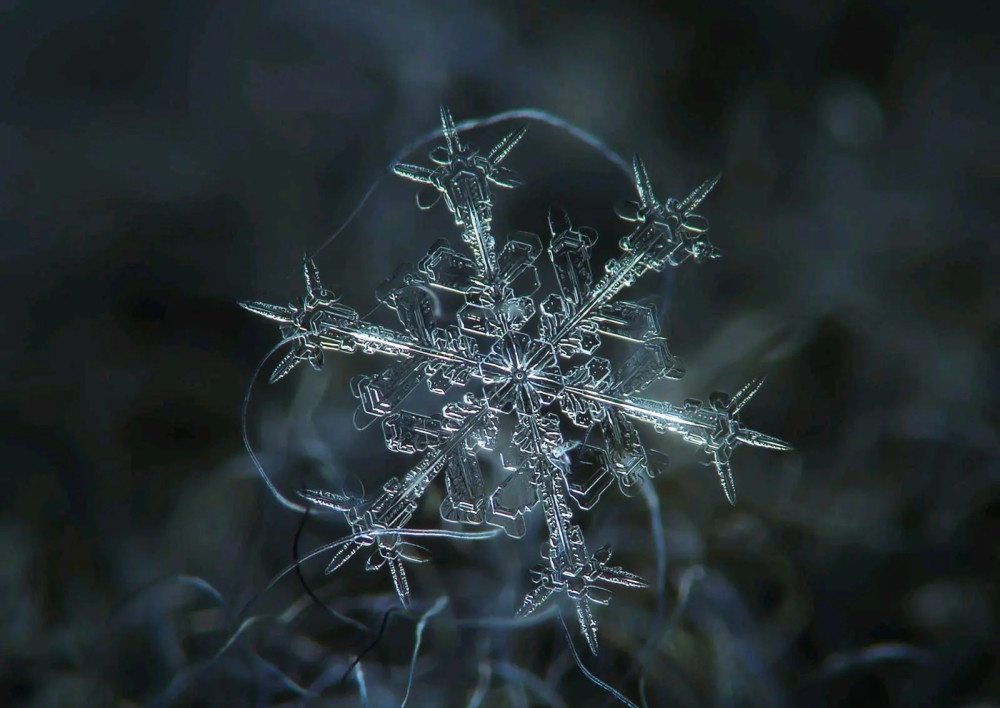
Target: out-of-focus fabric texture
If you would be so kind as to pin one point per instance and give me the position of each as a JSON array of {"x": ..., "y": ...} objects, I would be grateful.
[{"x": 161, "y": 160}]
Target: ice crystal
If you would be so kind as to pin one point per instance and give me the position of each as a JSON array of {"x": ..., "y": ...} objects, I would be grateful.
[{"x": 539, "y": 371}]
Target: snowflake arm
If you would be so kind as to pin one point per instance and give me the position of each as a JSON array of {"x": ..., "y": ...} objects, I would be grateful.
[
  {"x": 395, "y": 506},
  {"x": 715, "y": 427},
  {"x": 463, "y": 178},
  {"x": 665, "y": 235},
  {"x": 569, "y": 568}
]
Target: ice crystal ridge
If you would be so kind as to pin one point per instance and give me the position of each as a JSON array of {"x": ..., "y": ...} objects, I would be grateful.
[{"x": 525, "y": 371}]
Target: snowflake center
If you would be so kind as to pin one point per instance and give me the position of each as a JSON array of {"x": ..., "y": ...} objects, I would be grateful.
[{"x": 520, "y": 373}]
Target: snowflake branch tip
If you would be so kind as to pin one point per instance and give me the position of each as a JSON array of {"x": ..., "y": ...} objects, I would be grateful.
[
  {"x": 503, "y": 148},
  {"x": 282, "y": 315},
  {"x": 450, "y": 132},
  {"x": 697, "y": 196}
]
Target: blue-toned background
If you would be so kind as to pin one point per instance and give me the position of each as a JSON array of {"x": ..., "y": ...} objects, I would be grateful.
[{"x": 161, "y": 160}]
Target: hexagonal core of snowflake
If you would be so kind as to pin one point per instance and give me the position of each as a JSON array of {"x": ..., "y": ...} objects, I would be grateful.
[{"x": 520, "y": 374}]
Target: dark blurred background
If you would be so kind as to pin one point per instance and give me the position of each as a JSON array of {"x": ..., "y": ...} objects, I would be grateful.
[{"x": 160, "y": 161}]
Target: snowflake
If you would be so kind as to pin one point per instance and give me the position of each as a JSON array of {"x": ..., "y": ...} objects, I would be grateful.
[{"x": 530, "y": 372}]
